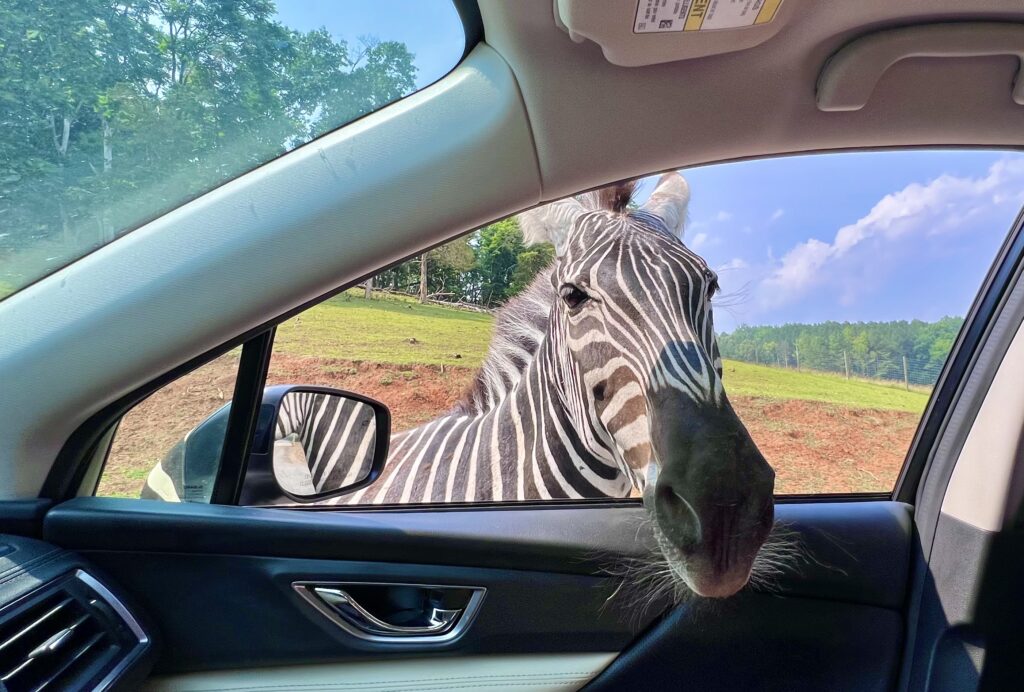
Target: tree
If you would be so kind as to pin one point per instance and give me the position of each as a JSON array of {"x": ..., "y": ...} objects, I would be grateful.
[
  {"x": 871, "y": 349},
  {"x": 114, "y": 112}
]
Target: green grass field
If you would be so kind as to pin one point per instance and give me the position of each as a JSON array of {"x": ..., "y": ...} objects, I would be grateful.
[
  {"x": 394, "y": 329},
  {"x": 387, "y": 329},
  {"x": 776, "y": 383}
]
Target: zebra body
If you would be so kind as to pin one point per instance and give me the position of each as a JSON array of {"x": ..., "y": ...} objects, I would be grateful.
[
  {"x": 603, "y": 379},
  {"x": 509, "y": 439},
  {"x": 519, "y": 433}
]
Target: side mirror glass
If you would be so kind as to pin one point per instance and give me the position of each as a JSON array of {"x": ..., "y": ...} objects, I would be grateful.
[{"x": 327, "y": 442}]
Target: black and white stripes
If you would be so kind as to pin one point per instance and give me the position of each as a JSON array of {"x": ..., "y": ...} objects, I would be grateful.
[
  {"x": 334, "y": 436},
  {"x": 560, "y": 408}
]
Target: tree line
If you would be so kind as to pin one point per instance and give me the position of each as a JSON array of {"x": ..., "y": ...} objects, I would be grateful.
[
  {"x": 484, "y": 268},
  {"x": 113, "y": 111},
  {"x": 862, "y": 349}
]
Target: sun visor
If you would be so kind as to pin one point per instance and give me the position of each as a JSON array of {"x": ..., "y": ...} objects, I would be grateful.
[{"x": 632, "y": 33}]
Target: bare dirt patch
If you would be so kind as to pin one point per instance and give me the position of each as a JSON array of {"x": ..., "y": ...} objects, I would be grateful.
[{"x": 814, "y": 447}]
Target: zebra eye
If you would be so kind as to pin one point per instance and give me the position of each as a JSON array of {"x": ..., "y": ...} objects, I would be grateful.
[
  {"x": 573, "y": 296},
  {"x": 712, "y": 279}
]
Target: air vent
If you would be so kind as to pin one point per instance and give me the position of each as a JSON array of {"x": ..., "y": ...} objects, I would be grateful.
[{"x": 71, "y": 634}]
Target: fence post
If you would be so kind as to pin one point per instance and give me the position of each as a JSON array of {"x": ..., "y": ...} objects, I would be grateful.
[
  {"x": 846, "y": 365},
  {"x": 906, "y": 376},
  {"x": 796, "y": 350}
]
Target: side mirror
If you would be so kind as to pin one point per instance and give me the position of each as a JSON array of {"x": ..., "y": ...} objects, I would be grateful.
[
  {"x": 310, "y": 444},
  {"x": 326, "y": 442}
]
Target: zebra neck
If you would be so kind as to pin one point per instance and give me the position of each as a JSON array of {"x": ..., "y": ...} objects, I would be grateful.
[{"x": 525, "y": 447}]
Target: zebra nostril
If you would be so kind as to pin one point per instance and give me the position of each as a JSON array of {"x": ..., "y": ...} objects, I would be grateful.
[
  {"x": 600, "y": 390},
  {"x": 679, "y": 521}
]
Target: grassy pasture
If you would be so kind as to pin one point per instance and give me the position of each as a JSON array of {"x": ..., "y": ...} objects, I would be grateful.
[{"x": 398, "y": 330}]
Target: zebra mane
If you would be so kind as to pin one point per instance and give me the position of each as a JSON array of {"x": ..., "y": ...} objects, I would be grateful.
[
  {"x": 521, "y": 324},
  {"x": 519, "y": 328}
]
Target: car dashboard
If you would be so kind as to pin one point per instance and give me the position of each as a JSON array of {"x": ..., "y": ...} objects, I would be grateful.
[{"x": 62, "y": 627}]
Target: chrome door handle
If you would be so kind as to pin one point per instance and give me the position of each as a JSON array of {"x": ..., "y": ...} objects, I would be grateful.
[
  {"x": 436, "y": 625},
  {"x": 439, "y": 621}
]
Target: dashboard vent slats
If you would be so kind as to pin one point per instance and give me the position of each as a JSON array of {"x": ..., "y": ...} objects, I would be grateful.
[{"x": 70, "y": 634}]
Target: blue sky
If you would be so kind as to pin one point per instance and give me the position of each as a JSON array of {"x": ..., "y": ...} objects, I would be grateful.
[
  {"x": 856, "y": 236},
  {"x": 431, "y": 29}
]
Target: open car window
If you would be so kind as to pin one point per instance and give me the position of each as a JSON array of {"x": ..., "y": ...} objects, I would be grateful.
[
  {"x": 827, "y": 291},
  {"x": 115, "y": 114}
]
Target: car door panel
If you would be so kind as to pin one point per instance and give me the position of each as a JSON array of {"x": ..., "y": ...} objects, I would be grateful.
[{"x": 218, "y": 580}]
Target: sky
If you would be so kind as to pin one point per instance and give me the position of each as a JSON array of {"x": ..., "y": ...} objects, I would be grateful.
[
  {"x": 895, "y": 235},
  {"x": 848, "y": 237},
  {"x": 431, "y": 29}
]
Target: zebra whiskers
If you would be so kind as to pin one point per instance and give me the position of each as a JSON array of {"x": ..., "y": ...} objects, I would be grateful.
[{"x": 652, "y": 582}]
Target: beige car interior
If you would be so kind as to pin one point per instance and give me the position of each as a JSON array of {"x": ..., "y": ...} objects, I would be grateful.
[{"x": 562, "y": 96}]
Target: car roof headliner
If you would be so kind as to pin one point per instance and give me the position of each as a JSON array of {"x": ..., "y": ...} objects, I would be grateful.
[{"x": 594, "y": 122}]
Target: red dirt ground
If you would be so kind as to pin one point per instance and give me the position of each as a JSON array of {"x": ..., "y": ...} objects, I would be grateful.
[{"x": 814, "y": 447}]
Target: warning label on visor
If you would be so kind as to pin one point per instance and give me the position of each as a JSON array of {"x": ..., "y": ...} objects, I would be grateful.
[{"x": 653, "y": 16}]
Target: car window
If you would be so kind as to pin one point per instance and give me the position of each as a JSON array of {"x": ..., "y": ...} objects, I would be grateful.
[
  {"x": 819, "y": 295},
  {"x": 114, "y": 114},
  {"x": 183, "y": 422}
]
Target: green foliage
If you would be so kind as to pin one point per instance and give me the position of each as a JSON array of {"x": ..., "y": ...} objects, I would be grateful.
[
  {"x": 869, "y": 349},
  {"x": 485, "y": 268},
  {"x": 116, "y": 111}
]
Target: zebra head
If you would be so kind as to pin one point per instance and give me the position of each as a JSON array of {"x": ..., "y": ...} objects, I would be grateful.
[{"x": 640, "y": 375}]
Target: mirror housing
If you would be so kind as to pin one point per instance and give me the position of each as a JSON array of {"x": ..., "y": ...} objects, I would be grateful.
[{"x": 290, "y": 416}]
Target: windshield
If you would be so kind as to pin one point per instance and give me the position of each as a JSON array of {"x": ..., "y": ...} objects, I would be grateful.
[{"x": 115, "y": 112}]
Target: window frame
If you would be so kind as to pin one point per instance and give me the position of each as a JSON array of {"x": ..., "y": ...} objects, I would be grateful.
[{"x": 70, "y": 471}]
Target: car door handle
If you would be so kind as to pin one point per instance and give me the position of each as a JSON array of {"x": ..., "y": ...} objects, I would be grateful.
[
  {"x": 438, "y": 620},
  {"x": 441, "y": 613}
]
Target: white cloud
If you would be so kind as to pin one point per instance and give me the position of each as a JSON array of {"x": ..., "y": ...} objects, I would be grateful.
[
  {"x": 723, "y": 216},
  {"x": 734, "y": 263},
  {"x": 776, "y": 215},
  {"x": 944, "y": 205},
  {"x": 698, "y": 240}
]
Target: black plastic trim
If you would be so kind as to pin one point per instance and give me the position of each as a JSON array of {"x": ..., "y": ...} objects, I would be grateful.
[
  {"x": 852, "y": 552},
  {"x": 245, "y": 408},
  {"x": 23, "y": 517},
  {"x": 472, "y": 24},
  {"x": 794, "y": 499}
]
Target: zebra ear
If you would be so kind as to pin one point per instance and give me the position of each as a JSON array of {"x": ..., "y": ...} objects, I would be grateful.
[
  {"x": 550, "y": 223},
  {"x": 669, "y": 201}
]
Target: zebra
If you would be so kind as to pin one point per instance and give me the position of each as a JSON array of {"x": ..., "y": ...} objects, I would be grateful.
[{"x": 604, "y": 379}]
